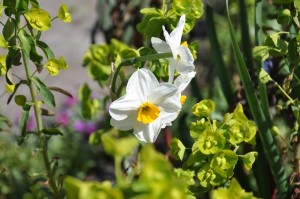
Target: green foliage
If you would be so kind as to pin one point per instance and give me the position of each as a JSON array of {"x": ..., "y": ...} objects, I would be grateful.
[
  {"x": 213, "y": 156},
  {"x": 235, "y": 191},
  {"x": 177, "y": 149},
  {"x": 99, "y": 59},
  {"x": 54, "y": 65},
  {"x": 45, "y": 92},
  {"x": 39, "y": 19},
  {"x": 155, "y": 18},
  {"x": 21, "y": 38},
  {"x": 77, "y": 189},
  {"x": 89, "y": 105},
  {"x": 118, "y": 147},
  {"x": 155, "y": 178},
  {"x": 203, "y": 108},
  {"x": 63, "y": 13}
]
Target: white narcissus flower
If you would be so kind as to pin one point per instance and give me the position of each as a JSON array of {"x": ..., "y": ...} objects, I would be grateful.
[
  {"x": 147, "y": 107},
  {"x": 182, "y": 60}
]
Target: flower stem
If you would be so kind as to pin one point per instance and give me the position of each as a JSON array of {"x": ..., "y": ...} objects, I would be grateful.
[
  {"x": 131, "y": 61},
  {"x": 37, "y": 112}
]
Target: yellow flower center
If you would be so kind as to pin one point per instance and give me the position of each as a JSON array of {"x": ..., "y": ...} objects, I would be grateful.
[
  {"x": 184, "y": 44},
  {"x": 182, "y": 99},
  {"x": 147, "y": 113}
]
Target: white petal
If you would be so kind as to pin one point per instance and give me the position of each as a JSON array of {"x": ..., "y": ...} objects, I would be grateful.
[
  {"x": 161, "y": 92},
  {"x": 149, "y": 132},
  {"x": 172, "y": 66},
  {"x": 124, "y": 106},
  {"x": 141, "y": 82},
  {"x": 185, "y": 54},
  {"x": 168, "y": 118},
  {"x": 123, "y": 125},
  {"x": 166, "y": 34},
  {"x": 160, "y": 46},
  {"x": 176, "y": 34},
  {"x": 171, "y": 104},
  {"x": 183, "y": 80}
]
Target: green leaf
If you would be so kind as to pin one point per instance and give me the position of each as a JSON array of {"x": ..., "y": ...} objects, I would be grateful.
[
  {"x": 264, "y": 77},
  {"x": 297, "y": 5},
  {"x": 60, "y": 90},
  {"x": 3, "y": 42},
  {"x": 9, "y": 29},
  {"x": 1, "y": 9},
  {"x": 204, "y": 108},
  {"x": 46, "y": 49},
  {"x": 277, "y": 46},
  {"x": 235, "y": 191},
  {"x": 2, "y": 64},
  {"x": 208, "y": 176},
  {"x": 86, "y": 101},
  {"x": 177, "y": 149},
  {"x": 46, "y": 112},
  {"x": 95, "y": 138},
  {"x": 16, "y": 86},
  {"x": 23, "y": 5},
  {"x": 210, "y": 142},
  {"x": 283, "y": 1},
  {"x": 249, "y": 159},
  {"x": 151, "y": 24},
  {"x": 261, "y": 53},
  {"x": 224, "y": 159},
  {"x": 120, "y": 147},
  {"x": 193, "y": 7},
  {"x": 35, "y": 57},
  {"x": 129, "y": 53},
  {"x": 284, "y": 17},
  {"x": 38, "y": 19},
  {"x": 63, "y": 13},
  {"x": 196, "y": 128},
  {"x": 51, "y": 131},
  {"x": 45, "y": 92},
  {"x": 54, "y": 65},
  {"x": 20, "y": 100},
  {"x": 27, "y": 41},
  {"x": 77, "y": 189},
  {"x": 24, "y": 116}
]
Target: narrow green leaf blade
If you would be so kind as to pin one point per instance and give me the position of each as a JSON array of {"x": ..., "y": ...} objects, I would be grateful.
[
  {"x": 268, "y": 142},
  {"x": 24, "y": 116},
  {"x": 45, "y": 92},
  {"x": 51, "y": 131}
]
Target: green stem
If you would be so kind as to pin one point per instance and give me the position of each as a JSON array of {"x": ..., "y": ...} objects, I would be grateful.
[
  {"x": 118, "y": 170},
  {"x": 283, "y": 91},
  {"x": 131, "y": 61},
  {"x": 37, "y": 112}
]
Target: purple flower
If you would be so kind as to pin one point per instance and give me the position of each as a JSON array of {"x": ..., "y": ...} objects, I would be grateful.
[
  {"x": 268, "y": 65},
  {"x": 91, "y": 127},
  {"x": 79, "y": 126},
  {"x": 85, "y": 127},
  {"x": 70, "y": 101},
  {"x": 63, "y": 119}
]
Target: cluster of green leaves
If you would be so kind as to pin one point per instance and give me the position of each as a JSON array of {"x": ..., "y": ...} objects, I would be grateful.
[
  {"x": 214, "y": 151},
  {"x": 170, "y": 12},
  {"x": 152, "y": 177},
  {"x": 24, "y": 43},
  {"x": 99, "y": 59}
]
